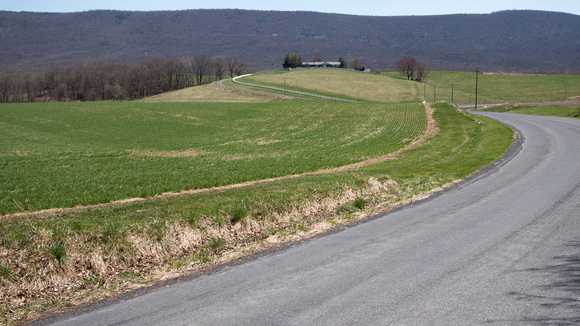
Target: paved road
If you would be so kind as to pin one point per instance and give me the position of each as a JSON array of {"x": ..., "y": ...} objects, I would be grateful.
[{"x": 501, "y": 249}]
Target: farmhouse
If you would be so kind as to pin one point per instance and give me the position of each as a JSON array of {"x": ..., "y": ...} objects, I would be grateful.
[{"x": 325, "y": 64}]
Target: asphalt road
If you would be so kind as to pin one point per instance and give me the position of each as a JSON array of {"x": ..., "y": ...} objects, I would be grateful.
[{"x": 502, "y": 248}]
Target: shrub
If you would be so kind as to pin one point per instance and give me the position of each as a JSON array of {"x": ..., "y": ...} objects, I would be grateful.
[
  {"x": 59, "y": 252},
  {"x": 6, "y": 272},
  {"x": 92, "y": 280},
  {"x": 359, "y": 203},
  {"x": 192, "y": 218},
  {"x": 216, "y": 244},
  {"x": 111, "y": 233},
  {"x": 238, "y": 214}
]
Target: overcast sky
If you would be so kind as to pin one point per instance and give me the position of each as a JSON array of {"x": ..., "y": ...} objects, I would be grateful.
[{"x": 360, "y": 7}]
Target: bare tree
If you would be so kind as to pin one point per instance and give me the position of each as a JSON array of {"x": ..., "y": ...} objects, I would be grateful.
[
  {"x": 201, "y": 67},
  {"x": 5, "y": 85},
  {"x": 219, "y": 68},
  {"x": 169, "y": 68},
  {"x": 407, "y": 66},
  {"x": 317, "y": 58},
  {"x": 421, "y": 72},
  {"x": 29, "y": 88},
  {"x": 188, "y": 67},
  {"x": 241, "y": 68},
  {"x": 115, "y": 81},
  {"x": 411, "y": 68},
  {"x": 235, "y": 66},
  {"x": 357, "y": 64}
]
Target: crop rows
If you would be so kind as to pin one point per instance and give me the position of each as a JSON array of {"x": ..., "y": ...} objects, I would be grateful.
[{"x": 68, "y": 154}]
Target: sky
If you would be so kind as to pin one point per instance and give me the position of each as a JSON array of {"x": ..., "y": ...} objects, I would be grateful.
[{"x": 360, "y": 7}]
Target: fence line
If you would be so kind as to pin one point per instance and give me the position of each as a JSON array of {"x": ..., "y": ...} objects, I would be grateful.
[{"x": 449, "y": 93}]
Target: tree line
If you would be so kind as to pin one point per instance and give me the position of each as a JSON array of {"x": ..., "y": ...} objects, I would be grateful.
[{"x": 117, "y": 81}]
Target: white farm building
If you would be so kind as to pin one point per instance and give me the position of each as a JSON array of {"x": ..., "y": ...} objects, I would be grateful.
[{"x": 325, "y": 64}]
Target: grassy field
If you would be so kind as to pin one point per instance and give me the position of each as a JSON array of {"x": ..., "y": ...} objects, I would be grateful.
[
  {"x": 66, "y": 154},
  {"x": 552, "y": 111},
  {"x": 274, "y": 93},
  {"x": 346, "y": 84},
  {"x": 498, "y": 88}
]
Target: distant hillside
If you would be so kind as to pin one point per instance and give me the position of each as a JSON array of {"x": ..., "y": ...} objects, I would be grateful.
[{"x": 523, "y": 41}]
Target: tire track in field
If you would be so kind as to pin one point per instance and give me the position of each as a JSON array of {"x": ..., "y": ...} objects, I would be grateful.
[{"x": 419, "y": 141}]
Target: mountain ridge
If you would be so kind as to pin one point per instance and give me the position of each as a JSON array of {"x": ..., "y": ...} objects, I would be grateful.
[{"x": 515, "y": 41}]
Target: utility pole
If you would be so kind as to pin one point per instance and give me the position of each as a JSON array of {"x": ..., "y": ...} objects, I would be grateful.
[{"x": 476, "y": 82}]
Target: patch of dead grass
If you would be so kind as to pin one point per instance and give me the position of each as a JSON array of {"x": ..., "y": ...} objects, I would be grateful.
[
  {"x": 208, "y": 93},
  {"x": 185, "y": 153}
]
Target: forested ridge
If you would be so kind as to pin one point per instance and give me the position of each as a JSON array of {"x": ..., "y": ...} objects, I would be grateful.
[{"x": 511, "y": 41}]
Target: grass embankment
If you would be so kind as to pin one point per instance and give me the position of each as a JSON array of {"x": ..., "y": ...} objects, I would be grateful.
[
  {"x": 499, "y": 88},
  {"x": 208, "y": 93}
]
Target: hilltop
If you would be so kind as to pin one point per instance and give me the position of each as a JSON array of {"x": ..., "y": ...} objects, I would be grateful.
[{"x": 515, "y": 41}]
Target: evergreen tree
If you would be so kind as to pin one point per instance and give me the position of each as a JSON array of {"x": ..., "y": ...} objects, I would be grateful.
[{"x": 292, "y": 61}]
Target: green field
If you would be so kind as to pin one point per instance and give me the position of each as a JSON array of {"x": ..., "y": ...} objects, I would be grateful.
[
  {"x": 68, "y": 154},
  {"x": 552, "y": 111},
  {"x": 498, "y": 88}
]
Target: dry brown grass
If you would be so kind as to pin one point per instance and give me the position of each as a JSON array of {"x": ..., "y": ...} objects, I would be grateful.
[
  {"x": 95, "y": 271},
  {"x": 209, "y": 93},
  {"x": 367, "y": 86}
]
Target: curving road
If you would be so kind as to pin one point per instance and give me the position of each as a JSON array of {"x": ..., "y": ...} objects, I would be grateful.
[{"x": 502, "y": 248}]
